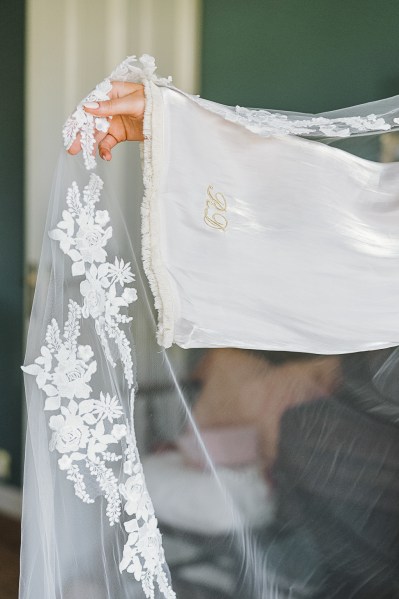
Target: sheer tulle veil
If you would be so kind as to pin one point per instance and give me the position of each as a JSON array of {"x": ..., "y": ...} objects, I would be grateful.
[{"x": 237, "y": 464}]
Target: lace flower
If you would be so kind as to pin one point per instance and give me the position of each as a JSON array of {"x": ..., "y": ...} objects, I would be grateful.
[
  {"x": 72, "y": 376},
  {"x": 70, "y": 432},
  {"x": 91, "y": 240},
  {"x": 107, "y": 407},
  {"x": 121, "y": 272},
  {"x": 94, "y": 296}
]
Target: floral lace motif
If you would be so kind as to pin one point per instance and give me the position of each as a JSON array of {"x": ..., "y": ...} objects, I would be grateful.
[
  {"x": 262, "y": 122},
  {"x": 85, "y": 124},
  {"x": 266, "y": 123},
  {"x": 88, "y": 432},
  {"x": 137, "y": 70}
]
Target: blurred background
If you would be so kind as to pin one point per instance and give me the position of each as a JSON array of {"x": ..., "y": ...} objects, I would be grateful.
[{"x": 308, "y": 56}]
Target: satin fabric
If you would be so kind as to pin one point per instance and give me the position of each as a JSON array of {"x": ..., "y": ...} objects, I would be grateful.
[{"x": 273, "y": 242}]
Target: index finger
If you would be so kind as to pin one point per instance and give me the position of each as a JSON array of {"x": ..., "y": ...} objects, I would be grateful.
[
  {"x": 131, "y": 104},
  {"x": 124, "y": 88}
]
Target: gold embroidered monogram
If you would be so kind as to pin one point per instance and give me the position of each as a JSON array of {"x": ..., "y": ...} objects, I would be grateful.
[{"x": 215, "y": 206}]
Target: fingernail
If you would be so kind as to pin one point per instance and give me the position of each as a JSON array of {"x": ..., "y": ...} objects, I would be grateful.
[{"x": 91, "y": 105}]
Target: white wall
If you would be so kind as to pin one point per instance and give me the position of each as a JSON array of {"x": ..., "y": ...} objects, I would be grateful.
[{"x": 74, "y": 44}]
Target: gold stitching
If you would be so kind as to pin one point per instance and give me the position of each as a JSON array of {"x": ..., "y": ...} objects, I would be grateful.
[{"x": 217, "y": 201}]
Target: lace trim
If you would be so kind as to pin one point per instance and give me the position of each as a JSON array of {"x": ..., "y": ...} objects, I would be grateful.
[
  {"x": 84, "y": 124},
  {"x": 88, "y": 432},
  {"x": 81, "y": 123},
  {"x": 133, "y": 69},
  {"x": 266, "y": 123}
]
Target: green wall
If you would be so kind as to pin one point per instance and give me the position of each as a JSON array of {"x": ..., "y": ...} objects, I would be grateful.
[
  {"x": 11, "y": 228},
  {"x": 304, "y": 55}
]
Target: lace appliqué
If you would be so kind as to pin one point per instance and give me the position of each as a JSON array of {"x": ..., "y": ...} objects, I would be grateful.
[
  {"x": 267, "y": 123},
  {"x": 84, "y": 124},
  {"x": 87, "y": 431}
]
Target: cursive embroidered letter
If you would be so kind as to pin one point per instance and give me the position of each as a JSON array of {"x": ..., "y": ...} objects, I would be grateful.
[{"x": 215, "y": 206}]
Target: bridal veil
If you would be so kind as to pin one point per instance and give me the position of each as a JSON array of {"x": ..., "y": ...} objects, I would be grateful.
[{"x": 254, "y": 452}]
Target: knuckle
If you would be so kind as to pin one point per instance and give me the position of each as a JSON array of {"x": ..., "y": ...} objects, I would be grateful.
[{"x": 106, "y": 105}]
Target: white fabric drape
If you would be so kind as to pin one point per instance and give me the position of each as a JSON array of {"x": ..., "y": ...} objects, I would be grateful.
[{"x": 289, "y": 243}]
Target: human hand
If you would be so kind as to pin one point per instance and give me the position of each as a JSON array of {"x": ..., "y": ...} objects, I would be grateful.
[{"x": 126, "y": 107}]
